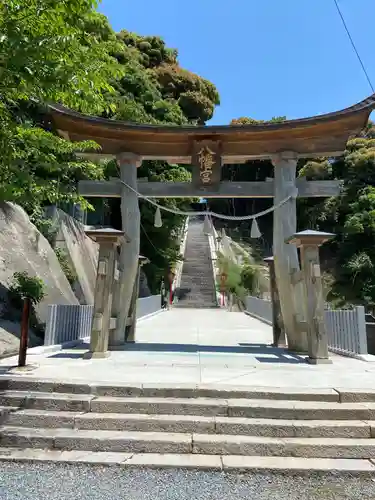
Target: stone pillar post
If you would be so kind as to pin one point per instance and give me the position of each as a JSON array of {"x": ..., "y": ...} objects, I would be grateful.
[
  {"x": 279, "y": 339},
  {"x": 130, "y": 331},
  {"x": 309, "y": 242},
  {"x": 128, "y": 267},
  {"x": 108, "y": 240},
  {"x": 115, "y": 302},
  {"x": 286, "y": 256}
]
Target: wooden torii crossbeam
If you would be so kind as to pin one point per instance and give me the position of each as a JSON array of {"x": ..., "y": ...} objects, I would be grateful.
[
  {"x": 207, "y": 149},
  {"x": 113, "y": 189}
]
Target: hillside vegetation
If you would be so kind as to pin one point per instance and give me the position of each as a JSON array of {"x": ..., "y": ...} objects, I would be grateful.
[{"x": 67, "y": 52}]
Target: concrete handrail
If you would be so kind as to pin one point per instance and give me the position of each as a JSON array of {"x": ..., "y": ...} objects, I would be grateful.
[
  {"x": 212, "y": 240},
  {"x": 180, "y": 264}
]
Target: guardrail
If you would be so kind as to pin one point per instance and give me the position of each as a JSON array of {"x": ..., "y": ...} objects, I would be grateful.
[
  {"x": 346, "y": 328},
  {"x": 214, "y": 247},
  {"x": 259, "y": 309},
  {"x": 180, "y": 264},
  {"x": 72, "y": 323},
  {"x": 346, "y": 331}
]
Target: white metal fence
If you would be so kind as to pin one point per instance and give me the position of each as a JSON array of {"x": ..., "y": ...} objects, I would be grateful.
[
  {"x": 66, "y": 323},
  {"x": 346, "y": 329},
  {"x": 70, "y": 323}
]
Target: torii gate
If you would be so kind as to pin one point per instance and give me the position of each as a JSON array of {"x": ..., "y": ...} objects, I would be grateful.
[{"x": 207, "y": 148}]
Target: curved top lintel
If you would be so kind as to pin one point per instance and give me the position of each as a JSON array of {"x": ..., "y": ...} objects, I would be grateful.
[{"x": 367, "y": 104}]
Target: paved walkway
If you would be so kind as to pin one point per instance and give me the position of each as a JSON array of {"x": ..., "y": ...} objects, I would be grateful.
[{"x": 201, "y": 346}]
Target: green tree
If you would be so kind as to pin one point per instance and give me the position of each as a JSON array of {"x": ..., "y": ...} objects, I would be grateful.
[
  {"x": 350, "y": 257},
  {"x": 44, "y": 170},
  {"x": 155, "y": 89},
  {"x": 48, "y": 53},
  {"x": 67, "y": 52}
]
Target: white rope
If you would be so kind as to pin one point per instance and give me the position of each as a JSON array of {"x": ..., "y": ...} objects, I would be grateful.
[{"x": 209, "y": 213}]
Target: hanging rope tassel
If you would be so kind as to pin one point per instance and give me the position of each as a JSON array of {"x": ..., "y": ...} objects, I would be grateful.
[
  {"x": 255, "y": 232},
  {"x": 157, "y": 220}
]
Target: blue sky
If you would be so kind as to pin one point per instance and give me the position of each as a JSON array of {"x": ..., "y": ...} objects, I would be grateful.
[{"x": 266, "y": 57}]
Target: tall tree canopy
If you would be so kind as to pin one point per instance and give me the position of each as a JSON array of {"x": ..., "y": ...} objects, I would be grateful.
[
  {"x": 68, "y": 53},
  {"x": 349, "y": 260}
]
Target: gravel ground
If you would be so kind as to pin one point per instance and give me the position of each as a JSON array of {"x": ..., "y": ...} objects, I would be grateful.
[{"x": 59, "y": 482}]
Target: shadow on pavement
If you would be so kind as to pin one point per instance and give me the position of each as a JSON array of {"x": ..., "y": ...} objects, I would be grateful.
[{"x": 262, "y": 352}]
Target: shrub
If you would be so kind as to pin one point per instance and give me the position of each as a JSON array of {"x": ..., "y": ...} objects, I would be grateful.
[
  {"x": 27, "y": 287},
  {"x": 63, "y": 259}
]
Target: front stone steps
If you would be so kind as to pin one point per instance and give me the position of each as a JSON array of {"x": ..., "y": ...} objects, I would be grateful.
[
  {"x": 197, "y": 277},
  {"x": 227, "y": 463},
  {"x": 166, "y": 442},
  {"x": 188, "y": 424},
  {"x": 245, "y": 408},
  {"x": 29, "y": 386},
  {"x": 228, "y": 428}
]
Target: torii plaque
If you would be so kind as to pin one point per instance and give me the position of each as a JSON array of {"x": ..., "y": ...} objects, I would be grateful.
[{"x": 206, "y": 161}]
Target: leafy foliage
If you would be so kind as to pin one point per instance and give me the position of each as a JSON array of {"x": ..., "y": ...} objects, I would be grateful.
[
  {"x": 347, "y": 261},
  {"x": 65, "y": 265},
  {"x": 44, "y": 169},
  {"x": 250, "y": 121},
  {"x": 67, "y": 52},
  {"x": 350, "y": 257},
  {"x": 47, "y": 53},
  {"x": 241, "y": 279},
  {"x": 27, "y": 287}
]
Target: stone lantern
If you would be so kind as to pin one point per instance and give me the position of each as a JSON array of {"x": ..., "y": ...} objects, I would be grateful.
[
  {"x": 309, "y": 242},
  {"x": 108, "y": 240}
]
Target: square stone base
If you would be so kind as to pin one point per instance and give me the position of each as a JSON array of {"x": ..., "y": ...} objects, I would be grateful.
[
  {"x": 297, "y": 353},
  {"x": 319, "y": 361},
  {"x": 96, "y": 355}
]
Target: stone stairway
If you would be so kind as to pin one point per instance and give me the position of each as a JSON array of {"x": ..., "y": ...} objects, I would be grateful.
[
  {"x": 197, "y": 287},
  {"x": 205, "y": 427}
]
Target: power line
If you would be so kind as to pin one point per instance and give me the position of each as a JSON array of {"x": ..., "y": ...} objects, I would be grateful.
[{"x": 353, "y": 45}]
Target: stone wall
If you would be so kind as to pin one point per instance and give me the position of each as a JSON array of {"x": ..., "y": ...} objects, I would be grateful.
[
  {"x": 83, "y": 255},
  {"x": 81, "y": 251},
  {"x": 24, "y": 248}
]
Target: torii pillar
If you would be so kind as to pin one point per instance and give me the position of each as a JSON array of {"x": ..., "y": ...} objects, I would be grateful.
[
  {"x": 128, "y": 264},
  {"x": 286, "y": 256}
]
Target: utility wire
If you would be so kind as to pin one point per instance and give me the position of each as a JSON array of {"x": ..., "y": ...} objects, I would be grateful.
[{"x": 353, "y": 45}]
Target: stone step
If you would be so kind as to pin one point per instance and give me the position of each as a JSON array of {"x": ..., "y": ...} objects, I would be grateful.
[
  {"x": 94, "y": 440},
  {"x": 189, "y": 424},
  {"x": 287, "y": 465},
  {"x": 245, "y": 408},
  {"x": 236, "y": 408},
  {"x": 286, "y": 447},
  {"x": 187, "y": 305},
  {"x": 206, "y": 444},
  {"x": 197, "y": 270},
  {"x": 21, "y": 386}
]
